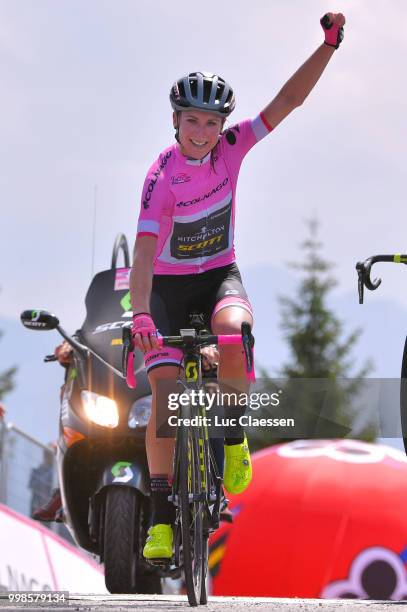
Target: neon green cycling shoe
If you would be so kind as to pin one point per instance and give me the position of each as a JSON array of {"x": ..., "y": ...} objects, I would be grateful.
[
  {"x": 159, "y": 542},
  {"x": 238, "y": 467}
]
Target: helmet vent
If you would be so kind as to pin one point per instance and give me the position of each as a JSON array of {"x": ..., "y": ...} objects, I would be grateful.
[{"x": 204, "y": 91}]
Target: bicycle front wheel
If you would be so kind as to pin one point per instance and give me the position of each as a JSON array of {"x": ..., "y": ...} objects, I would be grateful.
[
  {"x": 191, "y": 495},
  {"x": 403, "y": 396}
]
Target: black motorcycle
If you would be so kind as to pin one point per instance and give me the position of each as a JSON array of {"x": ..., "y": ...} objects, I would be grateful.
[{"x": 102, "y": 465}]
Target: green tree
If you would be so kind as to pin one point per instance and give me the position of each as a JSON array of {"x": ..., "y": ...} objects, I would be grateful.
[
  {"x": 312, "y": 330},
  {"x": 321, "y": 387}
]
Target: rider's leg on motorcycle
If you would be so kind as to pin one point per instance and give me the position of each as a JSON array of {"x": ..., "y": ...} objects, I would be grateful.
[{"x": 52, "y": 510}]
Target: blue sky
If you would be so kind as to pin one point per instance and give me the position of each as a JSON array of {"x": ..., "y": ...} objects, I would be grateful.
[{"x": 84, "y": 105}]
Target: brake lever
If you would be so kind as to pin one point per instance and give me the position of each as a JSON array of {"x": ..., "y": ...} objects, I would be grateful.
[
  {"x": 361, "y": 280},
  {"x": 128, "y": 358},
  {"x": 364, "y": 280},
  {"x": 372, "y": 285}
]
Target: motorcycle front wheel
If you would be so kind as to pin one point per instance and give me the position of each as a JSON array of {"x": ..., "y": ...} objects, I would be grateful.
[{"x": 120, "y": 539}]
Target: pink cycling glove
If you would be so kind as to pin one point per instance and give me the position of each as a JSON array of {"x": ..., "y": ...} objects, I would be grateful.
[
  {"x": 333, "y": 32},
  {"x": 143, "y": 324}
]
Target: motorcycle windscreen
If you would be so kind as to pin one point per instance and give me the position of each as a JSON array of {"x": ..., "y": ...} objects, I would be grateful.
[{"x": 108, "y": 308}]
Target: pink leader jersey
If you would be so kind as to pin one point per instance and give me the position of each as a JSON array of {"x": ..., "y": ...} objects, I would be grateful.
[{"x": 190, "y": 204}]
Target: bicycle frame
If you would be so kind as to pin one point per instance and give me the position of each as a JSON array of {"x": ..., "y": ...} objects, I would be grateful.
[
  {"x": 198, "y": 474},
  {"x": 197, "y": 484},
  {"x": 192, "y": 381}
]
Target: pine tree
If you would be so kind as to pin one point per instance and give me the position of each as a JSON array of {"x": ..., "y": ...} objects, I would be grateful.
[
  {"x": 321, "y": 386},
  {"x": 312, "y": 330}
]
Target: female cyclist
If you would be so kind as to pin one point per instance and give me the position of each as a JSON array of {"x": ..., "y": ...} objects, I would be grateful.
[{"x": 184, "y": 256}]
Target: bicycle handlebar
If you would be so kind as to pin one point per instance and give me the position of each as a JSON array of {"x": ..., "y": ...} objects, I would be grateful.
[
  {"x": 179, "y": 341},
  {"x": 190, "y": 339},
  {"x": 364, "y": 270}
]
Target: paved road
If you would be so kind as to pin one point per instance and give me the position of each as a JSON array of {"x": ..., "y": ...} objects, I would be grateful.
[{"x": 177, "y": 603}]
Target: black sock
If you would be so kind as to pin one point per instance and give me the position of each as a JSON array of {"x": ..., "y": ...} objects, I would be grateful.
[
  {"x": 234, "y": 434},
  {"x": 218, "y": 452},
  {"x": 163, "y": 510}
]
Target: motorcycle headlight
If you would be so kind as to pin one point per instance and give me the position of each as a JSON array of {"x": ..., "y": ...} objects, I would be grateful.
[
  {"x": 139, "y": 414},
  {"x": 100, "y": 409}
]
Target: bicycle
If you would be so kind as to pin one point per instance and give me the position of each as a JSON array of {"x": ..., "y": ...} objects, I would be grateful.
[
  {"x": 364, "y": 270},
  {"x": 197, "y": 484}
]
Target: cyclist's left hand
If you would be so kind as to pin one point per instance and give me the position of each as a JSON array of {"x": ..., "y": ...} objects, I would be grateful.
[
  {"x": 210, "y": 357},
  {"x": 332, "y": 24},
  {"x": 144, "y": 332}
]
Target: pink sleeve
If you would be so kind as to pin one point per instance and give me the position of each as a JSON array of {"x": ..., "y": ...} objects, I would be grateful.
[
  {"x": 155, "y": 197},
  {"x": 241, "y": 137}
]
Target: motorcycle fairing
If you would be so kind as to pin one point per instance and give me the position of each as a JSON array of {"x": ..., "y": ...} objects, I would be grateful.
[{"x": 125, "y": 473}]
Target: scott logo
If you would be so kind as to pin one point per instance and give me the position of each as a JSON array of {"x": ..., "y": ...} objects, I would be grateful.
[
  {"x": 109, "y": 327},
  {"x": 191, "y": 371},
  {"x": 201, "y": 245}
]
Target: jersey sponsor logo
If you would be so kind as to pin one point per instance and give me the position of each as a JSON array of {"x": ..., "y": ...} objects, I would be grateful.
[
  {"x": 201, "y": 245},
  {"x": 203, "y": 237},
  {"x": 205, "y": 196},
  {"x": 150, "y": 188},
  {"x": 180, "y": 178},
  {"x": 230, "y": 136}
]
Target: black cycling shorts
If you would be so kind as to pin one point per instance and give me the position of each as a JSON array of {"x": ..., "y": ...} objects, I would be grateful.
[{"x": 174, "y": 297}]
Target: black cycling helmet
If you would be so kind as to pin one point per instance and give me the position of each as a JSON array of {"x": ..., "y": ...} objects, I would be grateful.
[{"x": 204, "y": 91}]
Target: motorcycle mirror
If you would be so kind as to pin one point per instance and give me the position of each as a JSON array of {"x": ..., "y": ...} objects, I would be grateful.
[{"x": 39, "y": 319}]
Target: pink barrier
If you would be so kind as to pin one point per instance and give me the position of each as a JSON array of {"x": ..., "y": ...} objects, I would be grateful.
[{"x": 34, "y": 558}]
